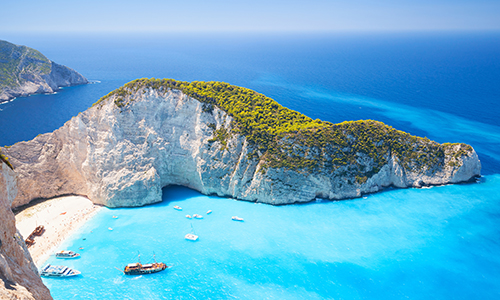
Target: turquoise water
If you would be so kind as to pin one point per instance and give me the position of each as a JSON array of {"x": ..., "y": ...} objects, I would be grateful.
[{"x": 436, "y": 243}]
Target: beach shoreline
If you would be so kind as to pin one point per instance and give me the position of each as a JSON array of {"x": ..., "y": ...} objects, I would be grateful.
[{"x": 60, "y": 216}]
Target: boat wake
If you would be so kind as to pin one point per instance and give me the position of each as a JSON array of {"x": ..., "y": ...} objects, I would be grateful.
[{"x": 118, "y": 281}]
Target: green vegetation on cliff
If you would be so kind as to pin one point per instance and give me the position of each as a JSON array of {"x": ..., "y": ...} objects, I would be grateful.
[
  {"x": 18, "y": 62},
  {"x": 284, "y": 138},
  {"x": 5, "y": 159}
]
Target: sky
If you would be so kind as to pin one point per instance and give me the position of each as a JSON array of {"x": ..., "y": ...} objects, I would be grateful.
[{"x": 243, "y": 15}]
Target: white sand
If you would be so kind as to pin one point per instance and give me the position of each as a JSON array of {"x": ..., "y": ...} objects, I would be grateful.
[{"x": 60, "y": 217}]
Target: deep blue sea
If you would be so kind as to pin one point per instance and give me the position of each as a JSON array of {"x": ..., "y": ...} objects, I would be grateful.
[{"x": 436, "y": 243}]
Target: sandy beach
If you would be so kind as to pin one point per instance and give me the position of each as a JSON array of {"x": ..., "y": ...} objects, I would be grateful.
[{"x": 60, "y": 217}]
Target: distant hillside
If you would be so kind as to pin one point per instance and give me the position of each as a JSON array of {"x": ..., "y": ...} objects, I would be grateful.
[{"x": 25, "y": 71}]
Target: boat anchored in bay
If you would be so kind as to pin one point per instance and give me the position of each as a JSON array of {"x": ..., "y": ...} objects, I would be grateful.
[
  {"x": 191, "y": 236},
  {"x": 140, "y": 269}
]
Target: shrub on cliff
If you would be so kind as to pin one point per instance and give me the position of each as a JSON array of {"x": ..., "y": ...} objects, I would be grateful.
[
  {"x": 5, "y": 159},
  {"x": 284, "y": 138}
]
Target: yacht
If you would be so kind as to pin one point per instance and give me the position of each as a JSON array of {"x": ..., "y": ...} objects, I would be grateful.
[
  {"x": 191, "y": 236},
  {"x": 58, "y": 271}
]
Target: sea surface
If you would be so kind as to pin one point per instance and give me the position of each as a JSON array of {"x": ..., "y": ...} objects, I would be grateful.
[{"x": 434, "y": 243}]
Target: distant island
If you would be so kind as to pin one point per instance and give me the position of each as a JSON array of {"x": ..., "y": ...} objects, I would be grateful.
[
  {"x": 224, "y": 140},
  {"x": 25, "y": 71}
]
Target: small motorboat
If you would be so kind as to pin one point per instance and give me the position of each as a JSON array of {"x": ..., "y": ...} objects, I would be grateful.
[
  {"x": 236, "y": 218},
  {"x": 191, "y": 237},
  {"x": 188, "y": 216},
  {"x": 67, "y": 254},
  {"x": 197, "y": 216},
  {"x": 115, "y": 217},
  {"x": 177, "y": 207},
  {"x": 209, "y": 212},
  {"x": 58, "y": 271},
  {"x": 109, "y": 228}
]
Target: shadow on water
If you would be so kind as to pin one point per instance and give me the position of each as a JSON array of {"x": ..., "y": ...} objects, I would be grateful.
[{"x": 178, "y": 193}]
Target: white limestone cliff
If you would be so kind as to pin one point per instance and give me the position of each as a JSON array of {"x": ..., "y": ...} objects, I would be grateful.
[
  {"x": 19, "y": 277},
  {"x": 123, "y": 155}
]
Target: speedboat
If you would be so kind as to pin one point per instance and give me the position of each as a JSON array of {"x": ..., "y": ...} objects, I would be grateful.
[
  {"x": 188, "y": 216},
  {"x": 209, "y": 212},
  {"x": 236, "y": 218},
  {"x": 67, "y": 254},
  {"x": 197, "y": 216},
  {"x": 58, "y": 271},
  {"x": 191, "y": 237},
  {"x": 177, "y": 207}
]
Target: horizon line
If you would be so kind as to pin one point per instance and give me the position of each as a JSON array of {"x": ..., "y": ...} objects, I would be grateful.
[{"x": 259, "y": 31}]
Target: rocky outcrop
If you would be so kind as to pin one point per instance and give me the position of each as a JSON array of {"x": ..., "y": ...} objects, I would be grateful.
[
  {"x": 124, "y": 150},
  {"x": 25, "y": 71},
  {"x": 19, "y": 278}
]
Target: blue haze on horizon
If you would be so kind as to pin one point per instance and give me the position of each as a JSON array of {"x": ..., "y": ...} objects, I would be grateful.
[{"x": 256, "y": 15}]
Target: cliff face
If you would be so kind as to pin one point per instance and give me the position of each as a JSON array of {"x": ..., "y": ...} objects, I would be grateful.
[
  {"x": 25, "y": 71},
  {"x": 19, "y": 277},
  {"x": 123, "y": 150}
]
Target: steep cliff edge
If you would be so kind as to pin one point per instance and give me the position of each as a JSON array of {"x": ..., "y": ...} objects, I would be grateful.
[
  {"x": 25, "y": 71},
  {"x": 19, "y": 277},
  {"x": 224, "y": 140}
]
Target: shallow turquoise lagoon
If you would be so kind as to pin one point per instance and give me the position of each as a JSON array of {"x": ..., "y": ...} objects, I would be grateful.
[{"x": 435, "y": 243}]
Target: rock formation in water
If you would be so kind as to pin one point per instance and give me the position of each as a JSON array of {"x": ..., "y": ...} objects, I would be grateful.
[
  {"x": 224, "y": 140},
  {"x": 19, "y": 278},
  {"x": 25, "y": 71}
]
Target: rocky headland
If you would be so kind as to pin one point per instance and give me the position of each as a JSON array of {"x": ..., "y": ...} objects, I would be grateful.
[
  {"x": 25, "y": 71},
  {"x": 19, "y": 278},
  {"x": 223, "y": 140}
]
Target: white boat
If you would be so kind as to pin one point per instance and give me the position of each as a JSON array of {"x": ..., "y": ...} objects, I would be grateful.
[
  {"x": 209, "y": 212},
  {"x": 236, "y": 218},
  {"x": 67, "y": 254},
  {"x": 191, "y": 237},
  {"x": 188, "y": 216},
  {"x": 197, "y": 216},
  {"x": 58, "y": 271},
  {"x": 177, "y": 207}
]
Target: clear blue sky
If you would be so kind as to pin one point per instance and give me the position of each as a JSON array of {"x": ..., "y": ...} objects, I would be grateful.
[{"x": 243, "y": 15}]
